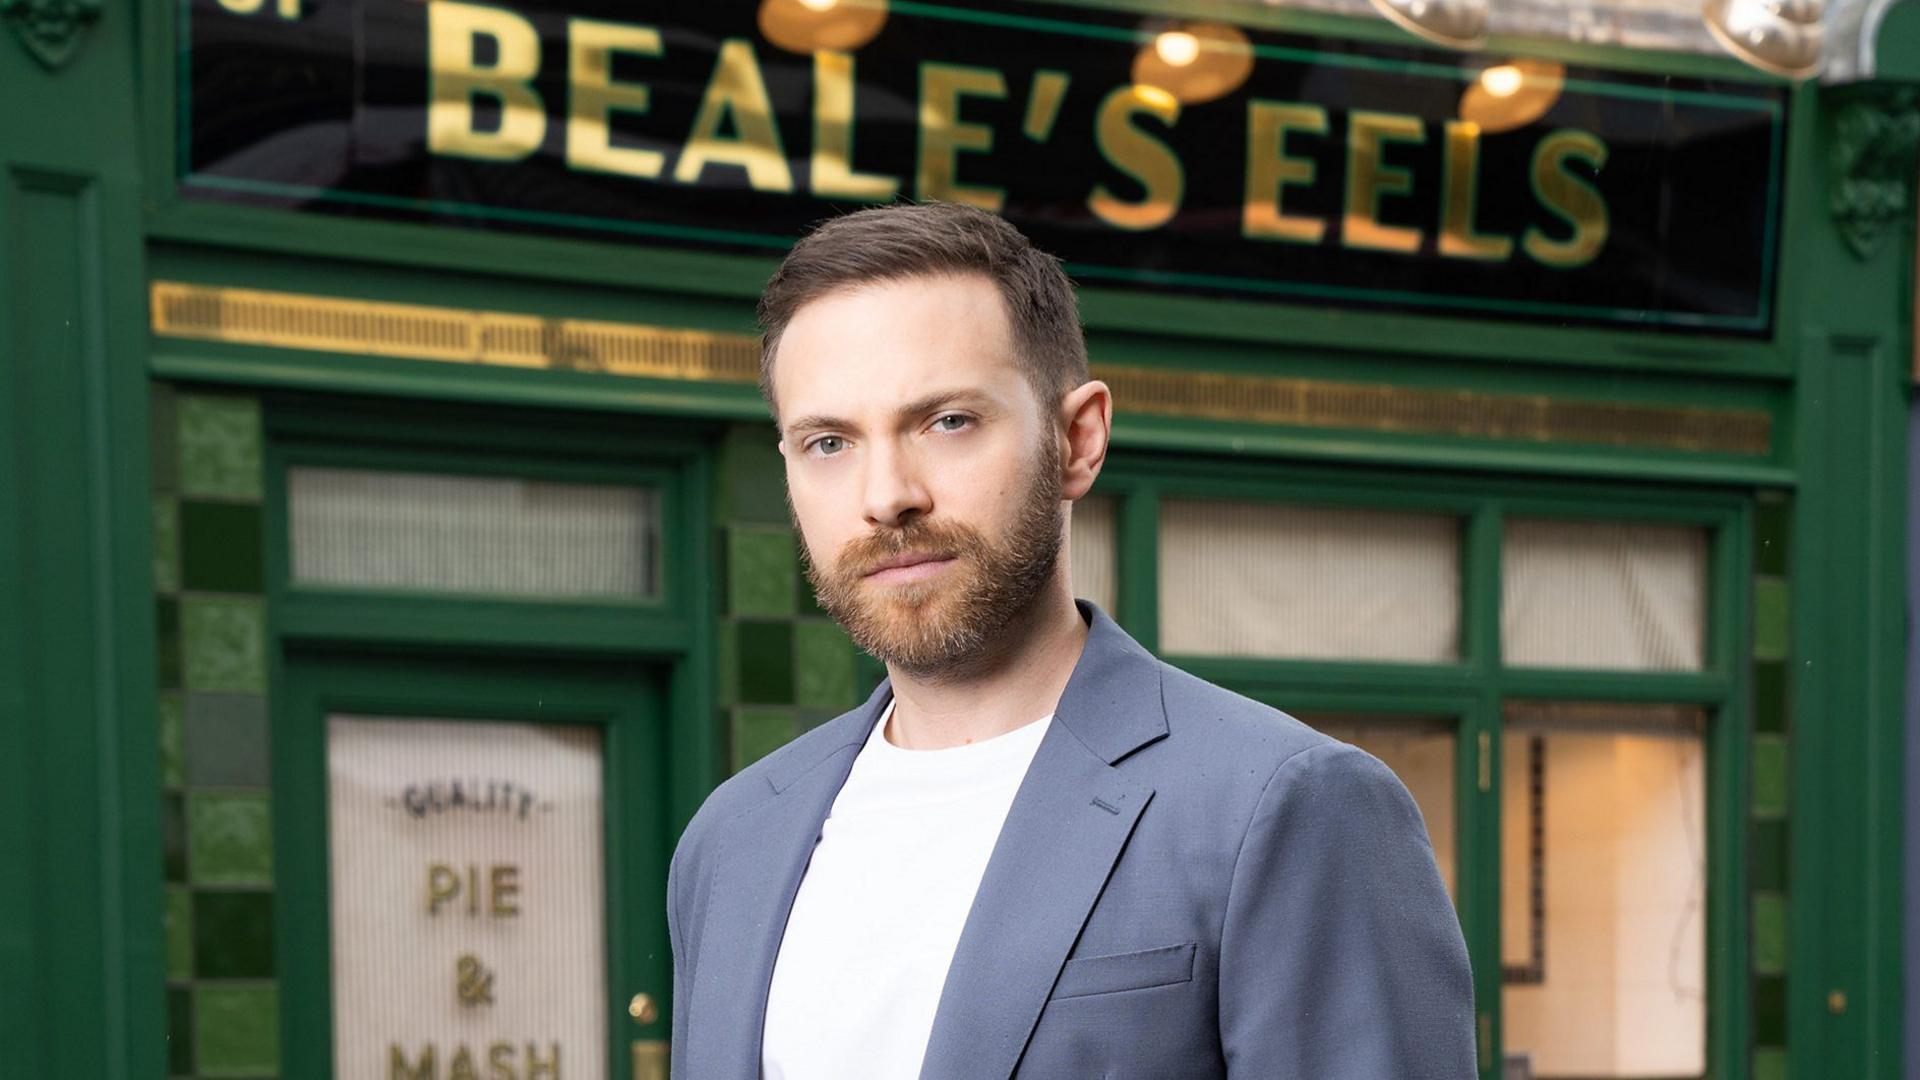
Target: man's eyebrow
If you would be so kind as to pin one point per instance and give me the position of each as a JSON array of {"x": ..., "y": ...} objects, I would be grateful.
[{"x": 924, "y": 404}]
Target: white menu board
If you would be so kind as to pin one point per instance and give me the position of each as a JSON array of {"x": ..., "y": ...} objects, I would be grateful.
[{"x": 467, "y": 900}]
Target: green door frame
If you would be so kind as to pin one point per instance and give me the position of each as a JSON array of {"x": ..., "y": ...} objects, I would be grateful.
[
  {"x": 1473, "y": 687},
  {"x": 671, "y": 635}
]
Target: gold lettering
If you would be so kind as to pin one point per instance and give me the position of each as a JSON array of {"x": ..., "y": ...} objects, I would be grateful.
[
  {"x": 1140, "y": 156},
  {"x": 454, "y": 79},
  {"x": 443, "y": 884},
  {"x": 831, "y": 175},
  {"x": 398, "y": 1069},
  {"x": 1270, "y": 171},
  {"x": 500, "y": 1061},
  {"x": 1569, "y": 197},
  {"x": 1460, "y": 194},
  {"x": 595, "y": 95},
  {"x": 537, "y": 1068},
  {"x": 736, "y": 88},
  {"x": 1369, "y": 177},
  {"x": 461, "y": 1067},
  {"x": 943, "y": 136},
  {"x": 506, "y": 886}
]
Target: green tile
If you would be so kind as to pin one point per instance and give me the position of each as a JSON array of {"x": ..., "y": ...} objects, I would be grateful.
[
  {"x": 237, "y": 1029},
  {"x": 220, "y": 546},
  {"x": 173, "y": 768},
  {"x": 1770, "y": 624},
  {"x": 233, "y": 935},
  {"x": 179, "y": 934},
  {"x": 1770, "y": 696},
  {"x": 1769, "y": 1064},
  {"x": 179, "y": 1031},
  {"x": 230, "y": 837},
  {"x": 1770, "y": 1010},
  {"x": 224, "y": 643},
  {"x": 755, "y": 476},
  {"x": 1770, "y": 855},
  {"x": 1772, "y": 519},
  {"x": 760, "y": 571},
  {"x": 766, "y": 662},
  {"x": 759, "y": 732},
  {"x": 166, "y": 628},
  {"x": 166, "y": 544},
  {"x": 822, "y": 666},
  {"x": 1769, "y": 933},
  {"x": 1769, "y": 776},
  {"x": 161, "y": 432},
  {"x": 219, "y": 440},
  {"x": 173, "y": 837},
  {"x": 226, "y": 740}
]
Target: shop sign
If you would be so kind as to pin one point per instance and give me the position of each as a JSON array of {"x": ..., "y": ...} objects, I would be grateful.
[
  {"x": 1243, "y": 162},
  {"x": 467, "y": 900}
]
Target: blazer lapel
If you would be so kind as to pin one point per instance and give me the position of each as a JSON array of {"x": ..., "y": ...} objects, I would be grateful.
[
  {"x": 752, "y": 893},
  {"x": 1068, "y": 824}
]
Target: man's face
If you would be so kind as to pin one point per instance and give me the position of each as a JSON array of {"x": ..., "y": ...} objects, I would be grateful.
[{"x": 922, "y": 472}]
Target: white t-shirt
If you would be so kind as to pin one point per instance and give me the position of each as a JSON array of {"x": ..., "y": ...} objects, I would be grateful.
[{"x": 880, "y": 910}]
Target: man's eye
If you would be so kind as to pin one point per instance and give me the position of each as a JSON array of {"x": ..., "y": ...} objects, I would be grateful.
[
  {"x": 829, "y": 444},
  {"x": 959, "y": 422}
]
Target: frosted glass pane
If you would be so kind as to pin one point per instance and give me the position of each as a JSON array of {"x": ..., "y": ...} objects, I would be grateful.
[
  {"x": 1420, "y": 751},
  {"x": 1599, "y": 594},
  {"x": 1259, "y": 579},
  {"x": 1603, "y": 889},
  {"x": 468, "y": 897},
  {"x": 472, "y": 534},
  {"x": 1091, "y": 551}
]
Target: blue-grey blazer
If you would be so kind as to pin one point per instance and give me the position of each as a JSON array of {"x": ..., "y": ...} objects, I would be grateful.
[{"x": 1188, "y": 884}]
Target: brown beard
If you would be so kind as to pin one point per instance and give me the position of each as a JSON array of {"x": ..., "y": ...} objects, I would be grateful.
[{"x": 955, "y": 624}]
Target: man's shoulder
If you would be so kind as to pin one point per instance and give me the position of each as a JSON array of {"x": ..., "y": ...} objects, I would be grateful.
[
  {"x": 1210, "y": 722},
  {"x": 763, "y": 779}
]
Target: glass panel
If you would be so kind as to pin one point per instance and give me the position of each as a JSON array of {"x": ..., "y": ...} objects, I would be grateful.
[
  {"x": 1420, "y": 751},
  {"x": 1091, "y": 551},
  {"x": 472, "y": 534},
  {"x": 1603, "y": 889},
  {"x": 1601, "y": 594},
  {"x": 468, "y": 899},
  {"x": 1258, "y": 579}
]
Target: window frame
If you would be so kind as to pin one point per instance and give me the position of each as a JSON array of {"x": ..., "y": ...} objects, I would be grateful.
[{"x": 1475, "y": 686}]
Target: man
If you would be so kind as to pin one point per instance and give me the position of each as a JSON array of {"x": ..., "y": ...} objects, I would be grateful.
[{"x": 1036, "y": 850}]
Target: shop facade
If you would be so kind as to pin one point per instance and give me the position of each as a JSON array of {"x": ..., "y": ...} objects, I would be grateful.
[{"x": 396, "y": 553}]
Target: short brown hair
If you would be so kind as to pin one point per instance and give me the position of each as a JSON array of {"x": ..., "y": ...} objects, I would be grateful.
[{"x": 912, "y": 240}]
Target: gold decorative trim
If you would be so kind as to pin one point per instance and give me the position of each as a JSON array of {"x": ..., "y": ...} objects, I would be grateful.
[
  {"x": 1412, "y": 410},
  {"x": 461, "y": 335}
]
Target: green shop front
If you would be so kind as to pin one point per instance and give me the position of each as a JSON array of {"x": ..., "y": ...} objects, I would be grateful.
[{"x": 396, "y": 553}]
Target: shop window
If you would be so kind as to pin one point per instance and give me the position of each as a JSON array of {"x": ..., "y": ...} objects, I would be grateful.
[
  {"x": 1599, "y": 594},
  {"x": 468, "y": 899},
  {"x": 1603, "y": 889},
  {"x": 1091, "y": 552},
  {"x": 1420, "y": 751},
  {"x": 494, "y": 535},
  {"x": 1242, "y": 579}
]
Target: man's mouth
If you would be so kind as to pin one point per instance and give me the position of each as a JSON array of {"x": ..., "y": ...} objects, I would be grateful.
[{"x": 913, "y": 566}]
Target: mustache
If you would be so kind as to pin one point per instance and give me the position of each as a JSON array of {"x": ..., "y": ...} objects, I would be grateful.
[{"x": 861, "y": 556}]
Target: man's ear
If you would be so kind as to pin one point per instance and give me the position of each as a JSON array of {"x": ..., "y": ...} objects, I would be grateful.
[{"x": 1086, "y": 424}]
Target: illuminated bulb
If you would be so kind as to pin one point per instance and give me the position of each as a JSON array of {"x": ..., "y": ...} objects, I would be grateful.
[
  {"x": 820, "y": 5},
  {"x": 1177, "y": 47},
  {"x": 1502, "y": 81}
]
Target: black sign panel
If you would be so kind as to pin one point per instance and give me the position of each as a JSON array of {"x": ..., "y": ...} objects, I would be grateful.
[{"x": 1317, "y": 171}]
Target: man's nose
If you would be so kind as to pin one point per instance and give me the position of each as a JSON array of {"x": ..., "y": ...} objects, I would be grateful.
[{"x": 894, "y": 488}]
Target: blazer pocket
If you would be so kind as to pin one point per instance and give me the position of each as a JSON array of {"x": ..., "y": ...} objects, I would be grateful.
[{"x": 1125, "y": 971}]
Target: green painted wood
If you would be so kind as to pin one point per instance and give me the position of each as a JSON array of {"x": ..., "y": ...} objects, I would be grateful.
[{"x": 81, "y": 949}]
